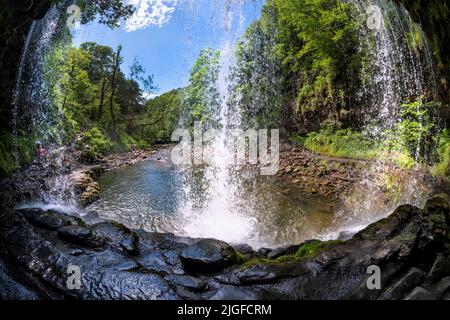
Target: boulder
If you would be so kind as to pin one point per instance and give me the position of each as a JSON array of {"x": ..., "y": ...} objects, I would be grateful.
[
  {"x": 49, "y": 220},
  {"x": 283, "y": 251},
  {"x": 208, "y": 255},
  {"x": 118, "y": 236},
  {"x": 406, "y": 283},
  {"x": 80, "y": 235},
  {"x": 188, "y": 282},
  {"x": 439, "y": 269}
]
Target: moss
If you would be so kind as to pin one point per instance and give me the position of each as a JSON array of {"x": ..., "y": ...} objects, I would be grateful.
[
  {"x": 313, "y": 248},
  {"x": 306, "y": 252}
]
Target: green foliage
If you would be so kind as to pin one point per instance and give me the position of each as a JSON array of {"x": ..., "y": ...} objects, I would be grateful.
[
  {"x": 418, "y": 130},
  {"x": 314, "y": 247},
  {"x": 94, "y": 99},
  {"x": 109, "y": 12},
  {"x": 203, "y": 98},
  {"x": 256, "y": 75},
  {"x": 317, "y": 41},
  {"x": 162, "y": 114},
  {"x": 306, "y": 252},
  {"x": 442, "y": 168},
  {"x": 344, "y": 143},
  {"x": 98, "y": 143}
]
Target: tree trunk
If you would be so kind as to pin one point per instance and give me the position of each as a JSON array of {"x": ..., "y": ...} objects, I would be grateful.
[
  {"x": 102, "y": 100},
  {"x": 113, "y": 92}
]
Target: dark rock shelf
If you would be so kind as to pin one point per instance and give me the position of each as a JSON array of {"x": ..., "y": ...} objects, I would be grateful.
[{"x": 411, "y": 247}]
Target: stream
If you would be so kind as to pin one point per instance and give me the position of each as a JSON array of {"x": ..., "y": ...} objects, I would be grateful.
[{"x": 151, "y": 195}]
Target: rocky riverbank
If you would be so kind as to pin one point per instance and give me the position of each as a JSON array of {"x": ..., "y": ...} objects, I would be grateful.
[
  {"x": 411, "y": 247},
  {"x": 65, "y": 176}
]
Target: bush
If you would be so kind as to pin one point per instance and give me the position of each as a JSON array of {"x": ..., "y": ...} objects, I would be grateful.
[
  {"x": 98, "y": 142},
  {"x": 418, "y": 130},
  {"x": 443, "y": 167},
  {"x": 342, "y": 143}
]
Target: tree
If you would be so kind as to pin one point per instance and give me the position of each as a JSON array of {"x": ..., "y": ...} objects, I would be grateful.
[
  {"x": 100, "y": 71},
  {"x": 203, "y": 96},
  {"x": 256, "y": 75},
  {"x": 109, "y": 12},
  {"x": 135, "y": 91},
  {"x": 116, "y": 68}
]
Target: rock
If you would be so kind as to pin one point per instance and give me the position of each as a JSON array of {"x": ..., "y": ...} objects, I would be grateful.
[
  {"x": 76, "y": 252},
  {"x": 80, "y": 235},
  {"x": 263, "y": 252},
  {"x": 419, "y": 293},
  {"x": 271, "y": 272},
  {"x": 364, "y": 293},
  {"x": 406, "y": 283},
  {"x": 85, "y": 186},
  {"x": 439, "y": 269},
  {"x": 187, "y": 282},
  {"x": 240, "y": 294},
  {"x": 47, "y": 220},
  {"x": 10, "y": 289},
  {"x": 283, "y": 251},
  {"x": 345, "y": 235},
  {"x": 446, "y": 296},
  {"x": 244, "y": 249},
  {"x": 441, "y": 287},
  {"x": 118, "y": 236},
  {"x": 208, "y": 255}
]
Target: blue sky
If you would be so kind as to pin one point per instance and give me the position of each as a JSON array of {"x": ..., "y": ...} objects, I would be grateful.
[{"x": 166, "y": 36}]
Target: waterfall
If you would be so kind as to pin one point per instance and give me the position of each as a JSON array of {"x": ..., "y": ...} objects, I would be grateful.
[
  {"x": 219, "y": 216},
  {"x": 400, "y": 63},
  {"x": 399, "y": 69},
  {"x": 32, "y": 111},
  {"x": 17, "y": 90}
]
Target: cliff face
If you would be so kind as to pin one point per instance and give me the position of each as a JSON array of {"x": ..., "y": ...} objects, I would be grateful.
[
  {"x": 15, "y": 19},
  {"x": 434, "y": 17}
]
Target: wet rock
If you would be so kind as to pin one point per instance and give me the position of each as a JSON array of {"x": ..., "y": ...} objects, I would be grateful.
[
  {"x": 208, "y": 255},
  {"x": 47, "y": 219},
  {"x": 126, "y": 266},
  {"x": 283, "y": 251},
  {"x": 187, "y": 282},
  {"x": 397, "y": 290},
  {"x": 244, "y": 249},
  {"x": 364, "y": 293},
  {"x": 241, "y": 294},
  {"x": 446, "y": 296},
  {"x": 11, "y": 289},
  {"x": 263, "y": 252},
  {"x": 80, "y": 235},
  {"x": 118, "y": 236},
  {"x": 85, "y": 186},
  {"x": 441, "y": 287},
  {"x": 420, "y": 293},
  {"x": 345, "y": 235},
  {"x": 439, "y": 269},
  {"x": 76, "y": 252}
]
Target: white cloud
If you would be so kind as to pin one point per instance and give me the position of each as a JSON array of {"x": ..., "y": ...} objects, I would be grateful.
[{"x": 150, "y": 12}]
